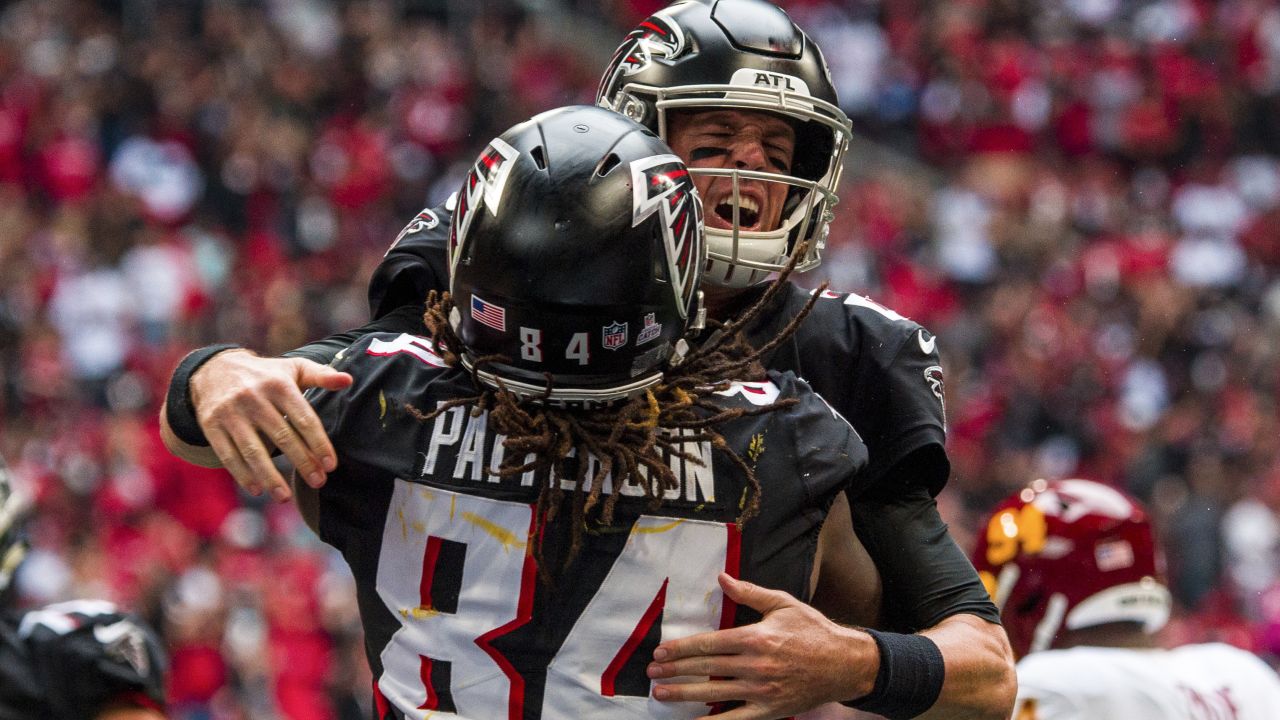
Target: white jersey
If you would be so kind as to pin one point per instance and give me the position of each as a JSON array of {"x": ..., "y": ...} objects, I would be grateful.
[{"x": 1194, "y": 682}]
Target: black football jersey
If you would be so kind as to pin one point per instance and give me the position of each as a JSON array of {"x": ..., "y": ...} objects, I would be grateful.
[
  {"x": 459, "y": 621},
  {"x": 71, "y": 660},
  {"x": 877, "y": 368}
]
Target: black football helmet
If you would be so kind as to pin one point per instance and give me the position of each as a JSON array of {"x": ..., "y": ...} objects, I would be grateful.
[
  {"x": 14, "y": 507},
  {"x": 575, "y": 253},
  {"x": 743, "y": 55}
]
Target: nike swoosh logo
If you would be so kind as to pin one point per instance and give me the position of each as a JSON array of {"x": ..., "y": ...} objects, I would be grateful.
[{"x": 927, "y": 345}]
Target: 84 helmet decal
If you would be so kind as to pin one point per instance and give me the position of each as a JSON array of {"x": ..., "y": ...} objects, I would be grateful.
[{"x": 599, "y": 230}]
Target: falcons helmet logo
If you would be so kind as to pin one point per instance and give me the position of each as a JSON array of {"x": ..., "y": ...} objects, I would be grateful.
[
  {"x": 655, "y": 37},
  {"x": 483, "y": 189},
  {"x": 661, "y": 184}
]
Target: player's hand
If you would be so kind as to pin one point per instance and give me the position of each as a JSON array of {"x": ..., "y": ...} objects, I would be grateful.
[
  {"x": 793, "y": 660},
  {"x": 247, "y": 404}
]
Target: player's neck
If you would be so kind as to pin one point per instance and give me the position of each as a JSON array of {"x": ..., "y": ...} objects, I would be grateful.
[{"x": 723, "y": 303}]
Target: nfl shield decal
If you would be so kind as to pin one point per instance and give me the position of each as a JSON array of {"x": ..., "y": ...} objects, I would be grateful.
[{"x": 614, "y": 336}]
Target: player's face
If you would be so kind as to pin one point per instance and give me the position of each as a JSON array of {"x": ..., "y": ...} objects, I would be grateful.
[{"x": 741, "y": 140}]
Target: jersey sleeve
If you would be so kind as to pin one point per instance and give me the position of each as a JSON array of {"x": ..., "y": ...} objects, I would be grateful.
[
  {"x": 908, "y": 398},
  {"x": 926, "y": 576},
  {"x": 415, "y": 264},
  {"x": 829, "y": 453},
  {"x": 87, "y": 656}
]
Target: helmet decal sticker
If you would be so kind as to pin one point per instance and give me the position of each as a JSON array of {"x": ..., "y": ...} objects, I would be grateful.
[
  {"x": 658, "y": 36},
  {"x": 661, "y": 184},
  {"x": 652, "y": 329},
  {"x": 488, "y": 314},
  {"x": 614, "y": 335},
  {"x": 483, "y": 188}
]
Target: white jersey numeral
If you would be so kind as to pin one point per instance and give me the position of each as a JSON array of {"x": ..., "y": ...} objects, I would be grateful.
[{"x": 645, "y": 583}]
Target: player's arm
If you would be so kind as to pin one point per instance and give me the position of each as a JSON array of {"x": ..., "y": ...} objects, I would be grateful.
[
  {"x": 847, "y": 586},
  {"x": 245, "y": 407},
  {"x": 796, "y": 658},
  {"x": 235, "y": 408}
]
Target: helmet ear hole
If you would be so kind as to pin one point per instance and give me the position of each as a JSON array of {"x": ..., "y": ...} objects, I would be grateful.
[
  {"x": 608, "y": 163},
  {"x": 539, "y": 156}
]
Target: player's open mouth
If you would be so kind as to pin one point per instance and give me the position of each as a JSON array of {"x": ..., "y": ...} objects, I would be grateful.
[{"x": 748, "y": 212}]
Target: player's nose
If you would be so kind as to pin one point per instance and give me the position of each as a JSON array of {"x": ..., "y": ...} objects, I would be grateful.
[{"x": 747, "y": 153}]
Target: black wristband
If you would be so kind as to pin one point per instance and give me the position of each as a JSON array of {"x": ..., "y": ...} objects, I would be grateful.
[
  {"x": 179, "y": 411},
  {"x": 910, "y": 677}
]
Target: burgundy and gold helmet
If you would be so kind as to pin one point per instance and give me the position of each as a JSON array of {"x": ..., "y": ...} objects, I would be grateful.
[{"x": 1070, "y": 554}]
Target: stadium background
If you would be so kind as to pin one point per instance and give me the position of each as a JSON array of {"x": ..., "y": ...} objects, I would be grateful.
[{"x": 1080, "y": 197}]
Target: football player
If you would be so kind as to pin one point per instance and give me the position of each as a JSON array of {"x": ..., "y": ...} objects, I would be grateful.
[
  {"x": 745, "y": 98},
  {"x": 71, "y": 660},
  {"x": 557, "y": 480},
  {"x": 1074, "y": 568}
]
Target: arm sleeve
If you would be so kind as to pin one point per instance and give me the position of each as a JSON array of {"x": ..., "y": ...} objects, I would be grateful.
[
  {"x": 926, "y": 577},
  {"x": 404, "y": 319}
]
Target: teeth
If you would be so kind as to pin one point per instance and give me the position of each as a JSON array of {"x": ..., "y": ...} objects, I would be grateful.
[{"x": 747, "y": 203}]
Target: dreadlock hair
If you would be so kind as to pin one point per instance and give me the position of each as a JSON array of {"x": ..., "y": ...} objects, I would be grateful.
[{"x": 631, "y": 439}]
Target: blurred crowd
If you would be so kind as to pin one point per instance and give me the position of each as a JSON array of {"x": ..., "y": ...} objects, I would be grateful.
[{"x": 1081, "y": 198}]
